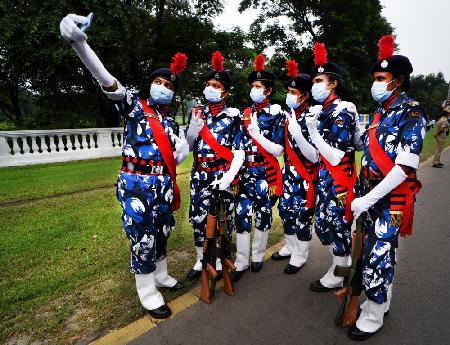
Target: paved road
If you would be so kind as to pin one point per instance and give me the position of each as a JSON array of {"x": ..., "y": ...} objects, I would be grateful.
[{"x": 273, "y": 308}]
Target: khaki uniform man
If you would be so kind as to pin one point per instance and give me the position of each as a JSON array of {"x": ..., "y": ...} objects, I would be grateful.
[{"x": 442, "y": 127}]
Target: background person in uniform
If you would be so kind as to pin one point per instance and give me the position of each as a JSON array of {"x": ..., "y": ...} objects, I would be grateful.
[{"x": 442, "y": 127}]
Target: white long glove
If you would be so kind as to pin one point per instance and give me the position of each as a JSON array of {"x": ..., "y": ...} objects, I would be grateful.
[
  {"x": 274, "y": 149},
  {"x": 351, "y": 109},
  {"x": 228, "y": 177},
  {"x": 72, "y": 33},
  {"x": 181, "y": 148},
  {"x": 394, "y": 178},
  {"x": 194, "y": 127},
  {"x": 294, "y": 128},
  {"x": 331, "y": 154}
]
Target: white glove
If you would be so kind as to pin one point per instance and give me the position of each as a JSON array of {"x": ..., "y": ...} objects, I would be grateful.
[
  {"x": 253, "y": 128},
  {"x": 181, "y": 148},
  {"x": 71, "y": 32},
  {"x": 331, "y": 154},
  {"x": 294, "y": 128},
  {"x": 195, "y": 126},
  {"x": 394, "y": 178},
  {"x": 351, "y": 109},
  {"x": 228, "y": 177}
]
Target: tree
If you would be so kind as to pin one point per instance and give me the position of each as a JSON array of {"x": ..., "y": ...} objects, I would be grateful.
[
  {"x": 430, "y": 91},
  {"x": 349, "y": 28}
]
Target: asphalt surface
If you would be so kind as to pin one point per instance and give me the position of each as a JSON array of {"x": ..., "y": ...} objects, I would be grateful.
[{"x": 271, "y": 307}]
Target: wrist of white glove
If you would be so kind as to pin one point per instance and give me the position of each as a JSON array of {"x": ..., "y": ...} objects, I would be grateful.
[
  {"x": 228, "y": 177},
  {"x": 181, "y": 149},
  {"x": 393, "y": 179},
  {"x": 331, "y": 154}
]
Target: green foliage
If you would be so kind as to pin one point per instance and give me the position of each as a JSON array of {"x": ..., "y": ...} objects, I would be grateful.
[{"x": 430, "y": 91}]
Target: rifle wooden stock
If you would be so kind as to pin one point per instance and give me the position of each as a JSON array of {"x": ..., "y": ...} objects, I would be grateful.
[
  {"x": 349, "y": 316},
  {"x": 205, "y": 293},
  {"x": 341, "y": 293},
  {"x": 229, "y": 264},
  {"x": 211, "y": 226},
  {"x": 227, "y": 284}
]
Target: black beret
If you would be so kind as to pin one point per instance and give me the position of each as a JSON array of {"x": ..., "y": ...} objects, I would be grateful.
[
  {"x": 301, "y": 82},
  {"x": 396, "y": 64},
  {"x": 224, "y": 77},
  {"x": 167, "y": 75},
  {"x": 261, "y": 76},
  {"x": 330, "y": 68}
]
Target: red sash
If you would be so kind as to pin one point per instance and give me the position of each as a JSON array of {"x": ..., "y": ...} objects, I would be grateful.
[
  {"x": 212, "y": 142},
  {"x": 166, "y": 150},
  {"x": 346, "y": 179},
  {"x": 406, "y": 189},
  {"x": 301, "y": 169},
  {"x": 271, "y": 163}
]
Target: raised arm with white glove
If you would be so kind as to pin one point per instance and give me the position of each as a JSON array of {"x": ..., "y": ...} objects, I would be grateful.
[
  {"x": 72, "y": 33},
  {"x": 228, "y": 177},
  {"x": 181, "y": 148},
  {"x": 194, "y": 127},
  {"x": 331, "y": 154},
  {"x": 274, "y": 149},
  {"x": 393, "y": 179},
  {"x": 295, "y": 130}
]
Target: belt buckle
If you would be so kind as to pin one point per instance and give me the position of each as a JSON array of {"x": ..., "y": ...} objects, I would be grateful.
[
  {"x": 157, "y": 169},
  {"x": 130, "y": 166},
  {"x": 251, "y": 159},
  {"x": 204, "y": 165}
]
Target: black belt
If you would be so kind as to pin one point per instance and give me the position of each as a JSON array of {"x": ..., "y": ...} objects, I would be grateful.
[{"x": 155, "y": 168}]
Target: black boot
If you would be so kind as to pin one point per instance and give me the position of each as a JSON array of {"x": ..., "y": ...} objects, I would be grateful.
[
  {"x": 163, "y": 312},
  {"x": 356, "y": 334},
  {"x": 193, "y": 274},
  {"x": 291, "y": 269},
  {"x": 237, "y": 275},
  {"x": 317, "y": 286},
  {"x": 256, "y": 266},
  {"x": 176, "y": 287},
  {"x": 277, "y": 257}
]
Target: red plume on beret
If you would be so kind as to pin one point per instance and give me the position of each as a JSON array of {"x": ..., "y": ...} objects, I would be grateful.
[
  {"x": 217, "y": 61},
  {"x": 260, "y": 61},
  {"x": 292, "y": 68},
  {"x": 179, "y": 63},
  {"x": 320, "y": 54},
  {"x": 386, "y": 47}
]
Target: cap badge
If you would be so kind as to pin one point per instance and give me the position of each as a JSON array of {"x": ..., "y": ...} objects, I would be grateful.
[
  {"x": 384, "y": 64},
  {"x": 173, "y": 77},
  {"x": 320, "y": 69},
  {"x": 217, "y": 76},
  {"x": 293, "y": 83},
  {"x": 258, "y": 75}
]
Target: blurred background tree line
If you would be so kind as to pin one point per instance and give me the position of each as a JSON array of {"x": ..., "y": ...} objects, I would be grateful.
[{"x": 43, "y": 84}]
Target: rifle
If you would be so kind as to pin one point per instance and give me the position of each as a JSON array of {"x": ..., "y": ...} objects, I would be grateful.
[
  {"x": 347, "y": 313},
  {"x": 217, "y": 244}
]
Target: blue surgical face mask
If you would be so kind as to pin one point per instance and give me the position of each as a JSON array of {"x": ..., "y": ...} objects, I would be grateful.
[
  {"x": 320, "y": 92},
  {"x": 212, "y": 94},
  {"x": 291, "y": 101},
  {"x": 161, "y": 94},
  {"x": 380, "y": 92},
  {"x": 257, "y": 95}
]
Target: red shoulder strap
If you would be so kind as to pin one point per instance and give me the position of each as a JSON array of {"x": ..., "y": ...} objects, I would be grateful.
[
  {"x": 209, "y": 138},
  {"x": 301, "y": 169},
  {"x": 165, "y": 147},
  {"x": 341, "y": 177},
  {"x": 385, "y": 164},
  {"x": 270, "y": 160}
]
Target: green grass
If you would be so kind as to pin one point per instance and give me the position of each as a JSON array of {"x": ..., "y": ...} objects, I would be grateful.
[{"x": 65, "y": 259}]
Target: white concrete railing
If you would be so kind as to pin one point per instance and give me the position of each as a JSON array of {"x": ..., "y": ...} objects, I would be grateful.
[{"x": 48, "y": 146}]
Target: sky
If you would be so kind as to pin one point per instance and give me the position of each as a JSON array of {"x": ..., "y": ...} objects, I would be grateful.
[{"x": 422, "y": 30}]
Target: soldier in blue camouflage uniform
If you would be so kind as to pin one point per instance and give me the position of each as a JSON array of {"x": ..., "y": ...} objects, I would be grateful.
[
  {"x": 267, "y": 128},
  {"x": 144, "y": 187},
  {"x": 211, "y": 171},
  {"x": 331, "y": 126},
  {"x": 399, "y": 127},
  {"x": 295, "y": 211}
]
